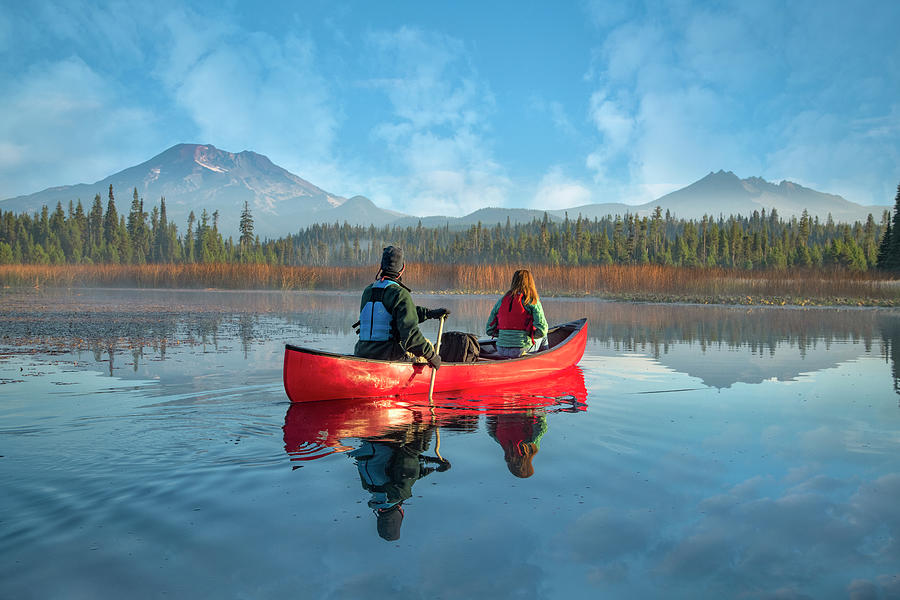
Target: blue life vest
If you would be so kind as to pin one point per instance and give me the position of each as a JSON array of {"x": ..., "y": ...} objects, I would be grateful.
[
  {"x": 374, "y": 318},
  {"x": 373, "y": 460}
]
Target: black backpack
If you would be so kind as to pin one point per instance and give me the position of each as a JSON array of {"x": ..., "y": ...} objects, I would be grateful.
[{"x": 459, "y": 347}]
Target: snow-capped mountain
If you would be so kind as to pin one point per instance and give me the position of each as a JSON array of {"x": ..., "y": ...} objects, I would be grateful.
[{"x": 193, "y": 177}]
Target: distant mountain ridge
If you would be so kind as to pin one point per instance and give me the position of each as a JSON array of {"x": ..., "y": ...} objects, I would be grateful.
[
  {"x": 193, "y": 177},
  {"x": 197, "y": 177},
  {"x": 724, "y": 194}
]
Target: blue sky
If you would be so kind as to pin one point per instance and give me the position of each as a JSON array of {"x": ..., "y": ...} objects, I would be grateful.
[{"x": 445, "y": 107}]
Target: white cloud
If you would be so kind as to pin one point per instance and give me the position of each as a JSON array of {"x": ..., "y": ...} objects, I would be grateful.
[
  {"x": 437, "y": 134},
  {"x": 683, "y": 133},
  {"x": 857, "y": 159},
  {"x": 605, "y": 14},
  {"x": 616, "y": 128},
  {"x": 611, "y": 120},
  {"x": 187, "y": 78},
  {"x": 428, "y": 80},
  {"x": 737, "y": 88},
  {"x": 745, "y": 537},
  {"x": 556, "y": 191},
  {"x": 733, "y": 49},
  {"x": 104, "y": 33},
  {"x": 252, "y": 91},
  {"x": 64, "y": 118},
  {"x": 439, "y": 191},
  {"x": 659, "y": 126},
  {"x": 637, "y": 54}
]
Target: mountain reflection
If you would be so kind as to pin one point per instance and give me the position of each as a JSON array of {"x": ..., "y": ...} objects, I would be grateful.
[
  {"x": 395, "y": 442},
  {"x": 727, "y": 345}
]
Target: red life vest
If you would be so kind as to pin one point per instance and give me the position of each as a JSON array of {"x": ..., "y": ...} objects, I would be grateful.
[
  {"x": 512, "y": 315},
  {"x": 514, "y": 431}
]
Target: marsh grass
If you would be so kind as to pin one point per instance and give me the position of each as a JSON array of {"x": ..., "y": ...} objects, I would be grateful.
[{"x": 630, "y": 282}]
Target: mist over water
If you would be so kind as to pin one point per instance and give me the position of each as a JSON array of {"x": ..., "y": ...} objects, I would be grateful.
[{"x": 148, "y": 449}]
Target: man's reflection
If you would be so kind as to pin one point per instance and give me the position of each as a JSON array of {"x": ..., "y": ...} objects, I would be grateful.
[
  {"x": 388, "y": 468},
  {"x": 519, "y": 434}
]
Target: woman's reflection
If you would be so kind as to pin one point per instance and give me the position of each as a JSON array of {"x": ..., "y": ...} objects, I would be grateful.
[
  {"x": 519, "y": 434},
  {"x": 388, "y": 468}
]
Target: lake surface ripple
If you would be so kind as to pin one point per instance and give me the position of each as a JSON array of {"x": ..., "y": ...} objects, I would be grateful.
[{"x": 147, "y": 450}]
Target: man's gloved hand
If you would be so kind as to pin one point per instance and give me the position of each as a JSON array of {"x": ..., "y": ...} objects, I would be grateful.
[
  {"x": 442, "y": 463},
  {"x": 436, "y": 313},
  {"x": 435, "y": 361}
]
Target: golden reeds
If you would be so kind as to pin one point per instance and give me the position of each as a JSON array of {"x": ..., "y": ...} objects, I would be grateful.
[{"x": 647, "y": 282}]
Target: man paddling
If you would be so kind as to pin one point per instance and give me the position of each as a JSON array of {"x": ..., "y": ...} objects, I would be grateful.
[{"x": 389, "y": 319}]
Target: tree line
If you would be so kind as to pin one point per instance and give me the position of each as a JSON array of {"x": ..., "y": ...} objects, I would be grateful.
[
  {"x": 101, "y": 236},
  {"x": 762, "y": 240}
]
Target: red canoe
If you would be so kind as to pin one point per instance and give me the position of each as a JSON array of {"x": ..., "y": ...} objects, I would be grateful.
[{"x": 311, "y": 375}]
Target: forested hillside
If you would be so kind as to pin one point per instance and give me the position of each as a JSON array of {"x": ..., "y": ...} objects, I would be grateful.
[{"x": 759, "y": 241}]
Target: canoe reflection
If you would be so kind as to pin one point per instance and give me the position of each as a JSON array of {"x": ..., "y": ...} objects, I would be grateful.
[
  {"x": 316, "y": 429},
  {"x": 399, "y": 441}
]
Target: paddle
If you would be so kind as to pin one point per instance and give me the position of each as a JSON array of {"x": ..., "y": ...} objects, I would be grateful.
[{"x": 437, "y": 349}]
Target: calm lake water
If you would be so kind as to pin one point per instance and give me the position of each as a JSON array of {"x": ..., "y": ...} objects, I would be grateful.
[{"x": 147, "y": 450}]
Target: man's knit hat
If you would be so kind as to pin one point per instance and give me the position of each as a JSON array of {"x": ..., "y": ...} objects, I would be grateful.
[
  {"x": 389, "y": 521},
  {"x": 392, "y": 261}
]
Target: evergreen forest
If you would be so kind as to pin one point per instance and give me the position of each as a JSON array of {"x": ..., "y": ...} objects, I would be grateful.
[{"x": 760, "y": 241}]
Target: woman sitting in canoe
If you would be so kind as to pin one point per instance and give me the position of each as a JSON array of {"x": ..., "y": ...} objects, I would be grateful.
[
  {"x": 389, "y": 319},
  {"x": 517, "y": 319}
]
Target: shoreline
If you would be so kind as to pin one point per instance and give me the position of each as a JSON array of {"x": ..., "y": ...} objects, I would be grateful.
[
  {"x": 734, "y": 300},
  {"x": 617, "y": 283}
]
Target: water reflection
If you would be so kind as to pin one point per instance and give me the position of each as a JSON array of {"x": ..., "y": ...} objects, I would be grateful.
[
  {"x": 388, "y": 467},
  {"x": 890, "y": 334},
  {"x": 519, "y": 434},
  {"x": 719, "y": 345},
  {"x": 666, "y": 487},
  {"x": 396, "y": 442}
]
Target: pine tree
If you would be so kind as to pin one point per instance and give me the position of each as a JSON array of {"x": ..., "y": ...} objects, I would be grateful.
[
  {"x": 246, "y": 228},
  {"x": 894, "y": 249},
  {"x": 137, "y": 230},
  {"x": 189, "y": 239},
  {"x": 95, "y": 223},
  {"x": 870, "y": 248},
  {"x": 111, "y": 229},
  {"x": 886, "y": 258},
  {"x": 161, "y": 237}
]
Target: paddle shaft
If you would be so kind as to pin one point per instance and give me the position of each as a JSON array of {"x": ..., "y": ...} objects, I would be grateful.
[{"x": 437, "y": 349}]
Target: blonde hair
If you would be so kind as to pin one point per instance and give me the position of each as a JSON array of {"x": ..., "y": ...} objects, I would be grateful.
[
  {"x": 523, "y": 283},
  {"x": 518, "y": 459}
]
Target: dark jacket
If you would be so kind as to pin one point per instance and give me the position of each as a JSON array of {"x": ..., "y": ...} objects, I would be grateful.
[
  {"x": 405, "y": 334},
  {"x": 388, "y": 469}
]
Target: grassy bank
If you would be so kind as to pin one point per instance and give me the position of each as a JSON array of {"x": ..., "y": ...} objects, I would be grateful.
[{"x": 640, "y": 283}]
